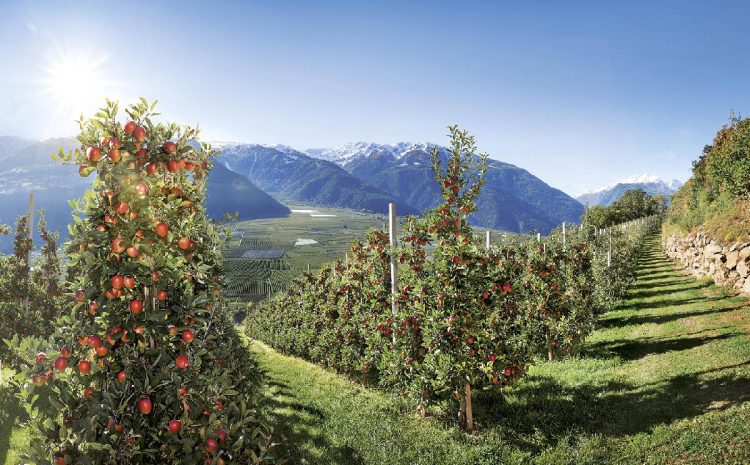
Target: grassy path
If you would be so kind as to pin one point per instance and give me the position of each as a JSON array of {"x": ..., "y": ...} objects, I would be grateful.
[{"x": 665, "y": 379}]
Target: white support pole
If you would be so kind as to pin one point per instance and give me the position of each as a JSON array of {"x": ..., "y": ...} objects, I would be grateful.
[
  {"x": 564, "y": 238},
  {"x": 30, "y": 225},
  {"x": 539, "y": 237},
  {"x": 487, "y": 239},
  {"x": 609, "y": 252},
  {"x": 394, "y": 268}
]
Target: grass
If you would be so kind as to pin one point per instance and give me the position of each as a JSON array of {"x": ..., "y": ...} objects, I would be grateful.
[
  {"x": 665, "y": 380},
  {"x": 13, "y": 438}
]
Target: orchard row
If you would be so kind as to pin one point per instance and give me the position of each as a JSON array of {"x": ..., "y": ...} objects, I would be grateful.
[{"x": 466, "y": 316}]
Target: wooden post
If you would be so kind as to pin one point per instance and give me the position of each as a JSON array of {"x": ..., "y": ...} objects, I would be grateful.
[
  {"x": 550, "y": 349},
  {"x": 30, "y": 224},
  {"x": 394, "y": 269},
  {"x": 564, "y": 238},
  {"x": 469, "y": 412}
]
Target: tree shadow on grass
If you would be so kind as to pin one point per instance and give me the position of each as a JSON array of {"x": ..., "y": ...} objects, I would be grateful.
[
  {"x": 294, "y": 423},
  {"x": 11, "y": 413},
  {"x": 653, "y": 290},
  {"x": 540, "y": 410},
  {"x": 635, "y": 349},
  {"x": 663, "y": 318}
]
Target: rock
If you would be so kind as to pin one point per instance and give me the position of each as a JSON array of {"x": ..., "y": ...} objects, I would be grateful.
[
  {"x": 742, "y": 269},
  {"x": 744, "y": 253},
  {"x": 732, "y": 259},
  {"x": 746, "y": 286},
  {"x": 712, "y": 249}
]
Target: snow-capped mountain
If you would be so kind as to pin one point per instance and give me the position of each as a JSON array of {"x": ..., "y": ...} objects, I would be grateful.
[
  {"x": 343, "y": 154},
  {"x": 295, "y": 176},
  {"x": 512, "y": 198},
  {"x": 610, "y": 194}
]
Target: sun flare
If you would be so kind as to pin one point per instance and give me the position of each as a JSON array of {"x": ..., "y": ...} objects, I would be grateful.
[{"x": 77, "y": 82}]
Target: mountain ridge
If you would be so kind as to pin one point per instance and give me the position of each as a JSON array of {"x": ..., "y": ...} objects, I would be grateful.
[
  {"x": 608, "y": 195},
  {"x": 512, "y": 198}
]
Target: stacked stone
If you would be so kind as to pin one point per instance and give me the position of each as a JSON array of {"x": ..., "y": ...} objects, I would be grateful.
[{"x": 703, "y": 256}]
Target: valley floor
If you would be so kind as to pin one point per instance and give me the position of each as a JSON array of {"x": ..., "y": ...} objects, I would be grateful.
[{"x": 665, "y": 380}]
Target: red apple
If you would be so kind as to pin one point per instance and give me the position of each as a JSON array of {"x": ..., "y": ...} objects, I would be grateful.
[
  {"x": 115, "y": 143},
  {"x": 122, "y": 208},
  {"x": 94, "y": 341},
  {"x": 173, "y": 166},
  {"x": 145, "y": 406},
  {"x": 128, "y": 282},
  {"x": 61, "y": 363},
  {"x": 155, "y": 276},
  {"x": 83, "y": 170},
  {"x": 118, "y": 245},
  {"x": 102, "y": 351},
  {"x": 139, "y": 134},
  {"x": 84, "y": 366},
  {"x": 188, "y": 336},
  {"x": 136, "y": 306},
  {"x": 183, "y": 243},
  {"x": 122, "y": 377},
  {"x": 141, "y": 153},
  {"x": 64, "y": 351},
  {"x": 132, "y": 251},
  {"x": 175, "y": 426},
  {"x": 182, "y": 362},
  {"x": 129, "y": 127},
  {"x": 39, "y": 358},
  {"x": 80, "y": 295},
  {"x": 117, "y": 281},
  {"x": 115, "y": 155},
  {"x": 162, "y": 295},
  {"x": 93, "y": 154},
  {"x": 169, "y": 147},
  {"x": 141, "y": 189},
  {"x": 162, "y": 230},
  {"x": 221, "y": 434},
  {"x": 151, "y": 168},
  {"x": 211, "y": 445}
]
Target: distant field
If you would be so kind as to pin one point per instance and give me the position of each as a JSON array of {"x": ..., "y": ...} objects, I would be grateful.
[{"x": 263, "y": 256}]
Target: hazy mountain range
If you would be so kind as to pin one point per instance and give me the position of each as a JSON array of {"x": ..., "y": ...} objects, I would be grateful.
[
  {"x": 608, "y": 195},
  {"x": 27, "y": 166},
  {"x": 255, "y": 180}
]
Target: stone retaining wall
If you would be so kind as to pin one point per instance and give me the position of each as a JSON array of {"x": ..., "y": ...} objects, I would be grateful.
[{"x": 701, "y": 255}]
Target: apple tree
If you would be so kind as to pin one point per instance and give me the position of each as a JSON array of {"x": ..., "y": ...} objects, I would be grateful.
[{"x": 148, "y": 368}]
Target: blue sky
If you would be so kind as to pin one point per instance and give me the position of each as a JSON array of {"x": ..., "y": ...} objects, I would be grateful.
[{"x": 581, "y": 94}]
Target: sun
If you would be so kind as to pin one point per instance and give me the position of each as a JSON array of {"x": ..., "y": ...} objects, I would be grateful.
[{"x": 76, "y": 82}]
